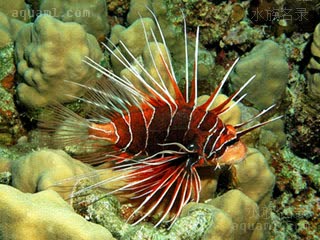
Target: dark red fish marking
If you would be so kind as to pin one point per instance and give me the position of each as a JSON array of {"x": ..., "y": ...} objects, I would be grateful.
[{"x": 157, "y": 137}]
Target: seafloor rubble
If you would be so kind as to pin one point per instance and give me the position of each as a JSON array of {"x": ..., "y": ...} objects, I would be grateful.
[{"x": 272, "y": 194}]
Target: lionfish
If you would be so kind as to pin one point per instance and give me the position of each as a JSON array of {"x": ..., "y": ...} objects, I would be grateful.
[{"x": 158, "y": 138}]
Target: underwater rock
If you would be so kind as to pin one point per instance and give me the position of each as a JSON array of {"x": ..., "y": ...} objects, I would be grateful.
[
  {"x": 118, "y": 9},
  {"x": 197, "y": 221},
  {"x": 42, "y": 169},
  {"x": 243, "y": 35},
  {"x": 273, "y": 136},
  {"x": 115, "y": 34},
  {"x": 139, "y": 8},
  {"x": 214, "y": 19},
  {"x": 303, "y": 119},
  {"x": 304, "y": 15},
  {"x": 154, "y": 66},
  {"x": 9, "y": 28},
  {"x": 303, "y": 125},
  {"x": 313, "y": 73},
  {"x": 7, "y": 67},
  {"x": 254, "y": 176},
  {"x": 49, "y": 53},
  {"x": 243, "y": 211},
  {"x": 285, "y": 16},
  {"x": 232, "y": 117},
  {"x": 11, "y": 127},
  {"x": 296, "y": 197},
  {"x": 268, "y": 63},
  {"x": 92, "y": 15},
  {"x": 44, "y": 216},
  {"x": 203, "y": 221},
  {"x": 39, "y": 170},
  {"x": 170, "y": 19},
  {"x": 16, "y": 9},
  {"x": 133, "y": 38}
]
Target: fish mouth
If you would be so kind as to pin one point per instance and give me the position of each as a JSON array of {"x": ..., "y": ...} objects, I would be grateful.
[{"x": 233, "y": 154}]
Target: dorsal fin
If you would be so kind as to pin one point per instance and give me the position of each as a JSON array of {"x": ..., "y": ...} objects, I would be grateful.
[
  {"x": 245, "y": 131},
  {"x": 215, "y": 93},
  {"x": 194, "y": 84}
]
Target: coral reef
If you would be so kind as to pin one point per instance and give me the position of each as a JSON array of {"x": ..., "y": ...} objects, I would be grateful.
[
  {"x": 7, "y": 66},
  {"x": 139, "y": 8},
  {"x": 44, "y": 215},
  {"x": 303, "y": 118},
  {"x": 313, "y": 74},
  {"x": 92, "y": 15},
  {"x": 268, "y": 63},
  {"x": 271, "y": 37},
  {"x": 16, "y": 9},
  {"x": 135, "y": 40},
  {"x": 46, "y": 67},
  {"x": 197, "y": 221},
  {"x": 39, "y": 170},
  {"x": 9, "y": 28},
  {"x": 241, "y": 35},
  {"x": 119, "y": 10},
  {"x": 295, "y": 210},
  {"x": 233, "y": 117},
  {"x": 10, "y": 125},
  {"x": 233, "y": 202},
  {"x": 234, "y": 215},
  {"x": 285, "y": 16}
]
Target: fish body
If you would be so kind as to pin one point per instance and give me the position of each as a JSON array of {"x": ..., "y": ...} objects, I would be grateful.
[
  {"x": 151, "y": 129},
  {"x": 157, "y": 136}
]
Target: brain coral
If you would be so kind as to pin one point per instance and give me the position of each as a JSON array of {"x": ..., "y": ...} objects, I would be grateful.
[
  {"x": 92, "y": 15},
  {"x": 268, "y": 62},
  {"x": 47, "y": 53}
]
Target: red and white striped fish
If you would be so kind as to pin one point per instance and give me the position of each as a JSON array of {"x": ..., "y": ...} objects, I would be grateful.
[{"x": 158, "y": 137}]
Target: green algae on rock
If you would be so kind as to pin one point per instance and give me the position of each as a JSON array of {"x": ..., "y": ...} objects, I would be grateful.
[
  {"x": 11, "y": 127},
  {"x": 303, "y": 119},
  {"x": 295, "y": 206},
  {"x": 197, "y": 221},
  {"x": 7, "y": 60},
  {"x": 46, "y": 67},
  {"x": 5, "y": 178}
]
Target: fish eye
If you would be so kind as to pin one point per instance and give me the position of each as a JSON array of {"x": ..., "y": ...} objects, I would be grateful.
[{"x": 191, "y": 147}]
